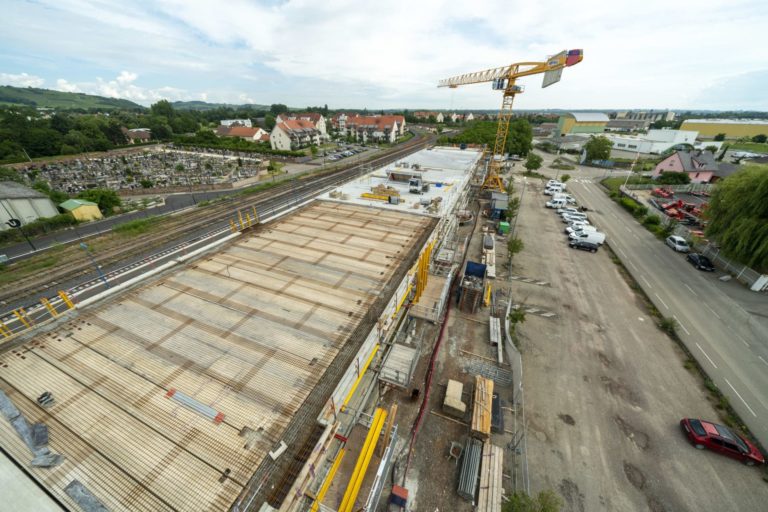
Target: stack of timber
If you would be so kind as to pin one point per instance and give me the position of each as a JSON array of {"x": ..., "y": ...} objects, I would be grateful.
[
  {"x": 489, "y": 496},
  {"x": 482, "y": 408}
]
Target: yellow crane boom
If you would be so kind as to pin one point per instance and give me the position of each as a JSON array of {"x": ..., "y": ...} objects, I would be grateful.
[{"x": 504, "y": 79}]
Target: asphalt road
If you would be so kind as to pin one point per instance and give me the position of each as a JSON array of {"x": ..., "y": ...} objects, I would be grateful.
[
  {"x": 605, "y": 388},
  {"x": 723, "y": 336},
  {"x": 728, "y": 337}
]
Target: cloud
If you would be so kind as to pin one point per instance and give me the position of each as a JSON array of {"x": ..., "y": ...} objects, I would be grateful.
[
  {"x": 652, "y": 54},
  {"x": 21, "y": 80},
  {"x": 63, "y": 85}
]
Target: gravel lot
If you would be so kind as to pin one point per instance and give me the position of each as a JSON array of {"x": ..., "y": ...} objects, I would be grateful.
[{"x": 605, "y": 389}]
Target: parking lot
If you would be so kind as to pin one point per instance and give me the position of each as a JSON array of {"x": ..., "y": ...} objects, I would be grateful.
[{"x": 605, "y": 388}]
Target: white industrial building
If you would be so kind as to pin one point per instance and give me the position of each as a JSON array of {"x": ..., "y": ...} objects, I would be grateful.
[
  {"x": 654, "y": 142},
  {"x": 23, "y": 203}
]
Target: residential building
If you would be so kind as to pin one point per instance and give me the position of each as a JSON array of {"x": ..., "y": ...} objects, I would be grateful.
[
  {"x": 81, "y": 209},
  {"x": 425, "y": 115},
  {"x": 581, "y": 122},
  {"x": 701, "y": 166},
  {"x": 137, "y": 135},
  {"x": 732, "y": 128},
  {"x": 293, "y": 134},
  {"x": 241, "y": 132},
  {"x": 375, "y": 128},
  {"x": 469, "y": 117},
  {"x": 317, "y": 119},
  {"x": 23, "y": 203},
  {"x": 236, "y": 122}
]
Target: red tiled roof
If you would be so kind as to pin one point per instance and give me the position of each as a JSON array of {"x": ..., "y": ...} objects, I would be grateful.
[
  {"x": 242, "y": 131},
  {"x": 375, "y": 121},
  {"x": 264, "y": 137},
  {"x": 296, "y": 125}
]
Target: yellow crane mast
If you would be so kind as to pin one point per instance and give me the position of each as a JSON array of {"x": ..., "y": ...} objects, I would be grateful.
[{"x": 504, "y": 79}]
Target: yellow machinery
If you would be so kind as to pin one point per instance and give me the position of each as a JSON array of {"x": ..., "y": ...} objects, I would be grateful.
[{"x": 504, "y": 79}]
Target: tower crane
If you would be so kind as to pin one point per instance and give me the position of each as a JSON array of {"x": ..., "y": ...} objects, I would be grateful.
[{"x": 505, "y": 79}]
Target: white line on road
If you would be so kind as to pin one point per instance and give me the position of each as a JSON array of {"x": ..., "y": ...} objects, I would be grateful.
[
  {"x": 690, "y": 289},
  {"x": 633, "y": 266},
  {"x": 742, "y": 340},
  {"x": 743, "y": 401},
  {"x": 681, "y": 325},
  {"x": 614, "y": 215},
  {"x": 627, "y": 228},
  {"x": 662, "y": 300},
  {"x": 713, "y": 311},
  {"x": 622, "y": 252},
  {"x": 707, "y": 356},
  {"x": 763, "y": 360},
  {"x": 646, "y": 282}
]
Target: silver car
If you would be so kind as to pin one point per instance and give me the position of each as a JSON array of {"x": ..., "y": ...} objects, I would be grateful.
[{"x": 677, "y": 243}]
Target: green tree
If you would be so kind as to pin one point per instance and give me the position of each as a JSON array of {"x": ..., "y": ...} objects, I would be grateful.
[
  {"x": 162, "y": 108},
  {"x": 565, "y": 177},
  {"x": 598, "y": 148},
  {"x": 516, "y": 316},
  {"x": 674, "y": 178},
  {"x": 711, "y": 149},
  {"x": 313, "y": 149},
  {"x": 520, "y": 137},
  {"x": 513, "y": 207},
  {"x": 720, "y": 137},
  {"x": 277, "y": 108},
  {"x": 269, "y": 121},
  {"x": 738, "y": 216},
  {"x": 514, "y": 246},
  {"x": 106, "y": 199},
  {"x": 533, "y": 162},
  {"x": 545, "y": 501},
  {"x": 146, "y": 183},
  {"x": 760, "y": 139}
]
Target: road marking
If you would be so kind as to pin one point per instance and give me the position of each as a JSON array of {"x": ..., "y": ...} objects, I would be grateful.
[
  {"x": 707, "y": 356},
  {"x": 713, "y": 311},
  {"x": 742, "y": 400},
  {"x": 742, "y": 340},
  {"x": 690, "y": 289},
  {"x": 662, "y": 300},
  {"x": 627, "y": 228},
  {"x": 763, "y": 360},
  {"x": 646, "y": 282},
  {"x": 614, "y": 215},
  {"x": 681, "y": 325},
  {"x": 622, "y": 252},
  {"x": 633, "y": 266}
]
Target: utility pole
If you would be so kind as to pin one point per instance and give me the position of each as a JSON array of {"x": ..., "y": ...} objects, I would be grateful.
[{"x": 87, "y": 250}]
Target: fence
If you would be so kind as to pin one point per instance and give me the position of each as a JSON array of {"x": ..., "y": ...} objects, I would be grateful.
[{"x": 690, "y": 188}]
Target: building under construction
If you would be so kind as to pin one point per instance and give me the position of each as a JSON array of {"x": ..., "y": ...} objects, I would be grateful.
[{"x": 223, "y": 384}]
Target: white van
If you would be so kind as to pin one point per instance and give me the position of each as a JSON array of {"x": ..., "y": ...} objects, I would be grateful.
[
  {"x": 555, "y": 203},
  {"x": 553, "y": 189},
  {"x": 580, "y": 227},
  {"x": 596, "y": 237}
]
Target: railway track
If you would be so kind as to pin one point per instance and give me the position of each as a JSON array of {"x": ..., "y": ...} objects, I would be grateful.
[{"x": 178, "y": 230}]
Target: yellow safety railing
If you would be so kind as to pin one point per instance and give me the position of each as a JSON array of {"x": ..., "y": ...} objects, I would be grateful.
[
  {"x": 359, "y": 377},
  {"x": 327, "y": 482},
  {"x": 363, "y": 461}
]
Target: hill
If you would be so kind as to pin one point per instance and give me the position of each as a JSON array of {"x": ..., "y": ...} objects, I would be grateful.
[
  {"x": 203, "y": 106},
  {"x": 47, "y": 98}
]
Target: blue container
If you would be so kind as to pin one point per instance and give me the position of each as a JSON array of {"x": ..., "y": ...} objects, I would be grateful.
[{"x": 475, "y": 269}]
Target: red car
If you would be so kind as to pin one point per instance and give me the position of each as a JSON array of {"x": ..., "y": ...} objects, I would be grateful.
[{"x": 718, "y": 438}]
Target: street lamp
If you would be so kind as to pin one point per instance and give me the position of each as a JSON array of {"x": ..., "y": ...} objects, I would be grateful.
[{"x": 84, "y": 247}]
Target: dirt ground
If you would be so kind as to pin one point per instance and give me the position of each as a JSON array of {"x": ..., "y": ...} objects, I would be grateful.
[{"x": 605, "y": 389}]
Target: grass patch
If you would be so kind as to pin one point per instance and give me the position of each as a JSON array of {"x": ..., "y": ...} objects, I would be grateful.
[
  {"x": 613, "y": 184},
  {"x": 9, "y": 274},
  {"x": 753, "y": 147},
  {"x": 136, "y": 227},
  {"x": 534, "y": 174}
]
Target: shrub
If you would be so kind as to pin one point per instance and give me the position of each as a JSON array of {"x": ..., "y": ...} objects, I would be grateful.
[{"x": 651, "y": 220}]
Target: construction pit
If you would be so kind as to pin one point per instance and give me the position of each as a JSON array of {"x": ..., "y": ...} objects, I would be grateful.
[{"x": 222, "y": 384}]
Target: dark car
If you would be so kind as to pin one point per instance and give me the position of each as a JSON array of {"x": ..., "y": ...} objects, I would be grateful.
[
  {"x": 583, "y": 245},
  {"x": 700, "y": 261},
  {"x": 721, "y": 439}
]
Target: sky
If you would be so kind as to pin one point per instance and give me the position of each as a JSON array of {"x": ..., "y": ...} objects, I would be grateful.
[{"x": 650, "y": 54}]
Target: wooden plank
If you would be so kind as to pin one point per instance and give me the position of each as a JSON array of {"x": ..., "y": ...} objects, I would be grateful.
[{"x": 481, "y": 407}]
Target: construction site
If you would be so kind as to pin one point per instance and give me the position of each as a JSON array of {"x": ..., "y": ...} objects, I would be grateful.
[{"x": 306, "y": 361}]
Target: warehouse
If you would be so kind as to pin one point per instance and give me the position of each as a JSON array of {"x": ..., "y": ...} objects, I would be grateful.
[
  {"x": 581, "y": 122},
  {"x": 23, "y": 203},
  {"x": 732, "y": 128}
]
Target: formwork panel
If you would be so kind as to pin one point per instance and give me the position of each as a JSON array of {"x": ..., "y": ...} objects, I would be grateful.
[{"x": 249, "y": 331}]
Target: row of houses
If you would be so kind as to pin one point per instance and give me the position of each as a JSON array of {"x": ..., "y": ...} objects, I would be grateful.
[{"x": 441, "y": 118}]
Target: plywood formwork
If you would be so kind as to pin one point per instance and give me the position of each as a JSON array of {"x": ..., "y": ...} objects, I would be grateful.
[
  {"x": 491, "y": 486},
  {"x": 249, "y": 331},
  {"x": 482, "y": 407}
]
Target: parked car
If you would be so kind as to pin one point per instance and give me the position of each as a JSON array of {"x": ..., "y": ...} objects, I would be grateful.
[
  {"x": 555, "y": 203},
  {"x": 570, "y": 217},
  {"x": 594, "y": 237},
  {"x": 677, "y": 243},
  {"x": 583, "y": 245},
  {"x": 700, "y": 261},
  {"x": 580, "y": 227},
  {"x": 721, "y": 439},
  {"x": 567, "y": 209}
]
